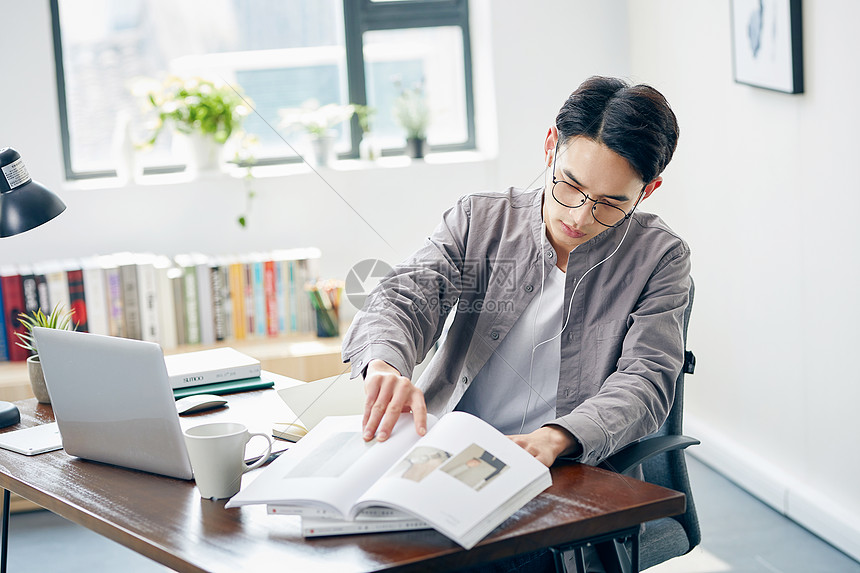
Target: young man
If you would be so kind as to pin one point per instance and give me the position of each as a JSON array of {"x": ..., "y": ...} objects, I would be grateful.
[{"x": 568, "y": 300}]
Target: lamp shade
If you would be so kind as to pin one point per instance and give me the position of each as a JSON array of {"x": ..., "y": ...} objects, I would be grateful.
[{"x": 24, "y": 204}]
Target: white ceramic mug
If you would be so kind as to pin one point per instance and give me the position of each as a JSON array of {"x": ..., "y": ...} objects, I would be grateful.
[{"x": 217, "y": 454}]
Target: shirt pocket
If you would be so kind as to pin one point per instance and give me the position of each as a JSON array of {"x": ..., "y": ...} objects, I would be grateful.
[
  {"x": 611, "y": 330},
  {"x": 610, "y": 340}
]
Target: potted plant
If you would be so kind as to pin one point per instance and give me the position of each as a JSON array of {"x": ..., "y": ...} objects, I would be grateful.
[
  {"x": 206, "y": 113},
  {"x": 318, "y": 122},
  {"x": 369, "y": 149},
  {"x": 60, "y": 319},
  {"x": 413, "y": 115}
]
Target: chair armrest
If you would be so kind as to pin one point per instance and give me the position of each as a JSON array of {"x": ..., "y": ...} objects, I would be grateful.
[{"x": 626, "y": 459}]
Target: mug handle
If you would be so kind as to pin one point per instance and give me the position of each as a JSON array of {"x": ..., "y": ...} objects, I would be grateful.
[{"x": 265, "y": 456}]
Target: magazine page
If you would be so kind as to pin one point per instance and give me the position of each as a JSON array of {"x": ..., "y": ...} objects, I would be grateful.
[
  {"x": 330, "y": 467},
  {"x": 457, "y": 478}
]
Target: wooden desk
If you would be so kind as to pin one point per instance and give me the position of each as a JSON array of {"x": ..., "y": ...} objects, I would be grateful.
[{"x": 166, "y": 520}]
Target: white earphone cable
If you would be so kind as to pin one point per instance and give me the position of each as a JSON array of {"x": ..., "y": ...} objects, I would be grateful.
[{"x": 569, "y": 308}]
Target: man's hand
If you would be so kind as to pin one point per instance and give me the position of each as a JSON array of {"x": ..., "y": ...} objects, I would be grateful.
[
  {"x": 389, "y": 394},
  {"x": 547, "y": 443}
]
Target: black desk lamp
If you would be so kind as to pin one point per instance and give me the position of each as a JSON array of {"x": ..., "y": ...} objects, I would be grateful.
[{"x": 24, "y": 205}]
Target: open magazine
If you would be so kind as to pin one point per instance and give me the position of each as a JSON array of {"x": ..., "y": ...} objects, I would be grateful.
[{"x": 463, "y": 478}]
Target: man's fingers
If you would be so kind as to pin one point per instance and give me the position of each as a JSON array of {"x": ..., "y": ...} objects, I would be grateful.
[
  {"x": 371, "y": 389},
  {"x": 402, "y": 395},
  {"x": 374, "y": 411},
  {"x": 388, "y": 395},
  {"x": 419, "y": 412},
  {"x": 533, "y": 447}
]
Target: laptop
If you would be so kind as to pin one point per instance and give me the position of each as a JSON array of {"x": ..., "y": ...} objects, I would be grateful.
[{"x": 112, "y": 401}]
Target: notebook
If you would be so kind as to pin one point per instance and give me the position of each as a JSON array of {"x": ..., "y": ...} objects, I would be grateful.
[{"x": 112, "y": 401}]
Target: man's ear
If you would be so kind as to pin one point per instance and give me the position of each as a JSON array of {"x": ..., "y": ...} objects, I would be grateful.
[
  {"x": 549, "y": 144},
  {"x": 651, "y": 187}
]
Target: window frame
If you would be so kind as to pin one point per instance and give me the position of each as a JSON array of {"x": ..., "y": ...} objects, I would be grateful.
[{"x": 360, "y": 16}]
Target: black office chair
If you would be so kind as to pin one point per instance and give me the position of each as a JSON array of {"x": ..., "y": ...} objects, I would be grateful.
[{"x": 662, "y": 458}]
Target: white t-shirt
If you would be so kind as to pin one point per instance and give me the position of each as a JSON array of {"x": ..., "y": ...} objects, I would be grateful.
[{"x": 502, "y": 389}]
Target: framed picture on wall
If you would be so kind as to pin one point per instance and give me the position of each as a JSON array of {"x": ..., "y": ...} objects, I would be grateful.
[{"x": 766, "y": 44}]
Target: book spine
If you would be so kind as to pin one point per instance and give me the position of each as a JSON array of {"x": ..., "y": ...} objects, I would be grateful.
[
  {"x": 192, "y": 318},
  {"x": 58, "y": 289},
  {"x": 259, "y": 299},
  {"x": 250, "y": 319},
  {"x": 306, "y": 315},
  {"x": 165, "y": 304},
  {"x": 375, "y": 513},
  {"x": 150, "y": 329},
  {"x": 44, "y": 295},
  {"x": 322, "y": 527},
  {"x": 77, "y": 299},
  {"x": 177, "y": 284},
  {"x": 130, "y": 301},
  {"x": 228, "y": 302},
  {"x": 281, "y": 289},
  {"x": 113, "y": 282},
  {"x": 96, "y": 297},
  {"x": 302, "y": 510},
  {"x": 204, "y": 304},
  {"x": 13, "y": 305},
  {"x": 237, "y": 299},
  {"x": 31, "y": 294},
  {"x": 293, "y": 298},
  {"x": 271, "y": 293},
  {"x": 219, "y": 304},
  {"x": 4, "y": 343},
  {"x": 213, "y": 376}
]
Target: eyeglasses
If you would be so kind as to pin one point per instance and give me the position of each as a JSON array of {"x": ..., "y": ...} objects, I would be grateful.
[{"x": 569, "y": 196}]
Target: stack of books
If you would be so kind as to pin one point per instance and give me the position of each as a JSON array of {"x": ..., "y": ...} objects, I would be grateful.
[
  {"x": 187, "y": 299},
  {"x": 215, "y": 371}
]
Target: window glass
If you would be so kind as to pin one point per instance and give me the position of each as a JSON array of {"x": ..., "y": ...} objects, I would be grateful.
[
  {"x": 281, "y": 53},
  {"x": 429, "y": 60}
]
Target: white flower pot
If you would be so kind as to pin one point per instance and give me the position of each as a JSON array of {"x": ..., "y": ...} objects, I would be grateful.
[
  {"x": 203, "y": 153},
  {"x": 323, "y": 149}
]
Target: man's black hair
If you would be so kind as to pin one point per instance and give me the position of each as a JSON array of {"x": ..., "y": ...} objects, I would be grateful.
[{"x": 635, "y": 122}]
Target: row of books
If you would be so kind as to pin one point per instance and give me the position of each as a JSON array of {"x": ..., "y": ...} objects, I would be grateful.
[{"x": 187, "y": 299}]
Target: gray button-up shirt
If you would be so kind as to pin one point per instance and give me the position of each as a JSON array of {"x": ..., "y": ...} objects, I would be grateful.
[{"x": 621, "y": 350}]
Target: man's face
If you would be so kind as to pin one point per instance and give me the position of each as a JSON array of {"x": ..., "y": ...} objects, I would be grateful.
[{"x": 592, "y": 168}]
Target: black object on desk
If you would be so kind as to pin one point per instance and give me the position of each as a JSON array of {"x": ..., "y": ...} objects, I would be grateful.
[{"x": 9, "y": 414}]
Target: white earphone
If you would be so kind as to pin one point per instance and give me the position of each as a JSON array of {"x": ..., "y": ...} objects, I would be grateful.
[{"x": 569, "y": 307}]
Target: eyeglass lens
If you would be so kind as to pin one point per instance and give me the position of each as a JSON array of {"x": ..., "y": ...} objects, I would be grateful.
[{"x": 572, "y": 198}]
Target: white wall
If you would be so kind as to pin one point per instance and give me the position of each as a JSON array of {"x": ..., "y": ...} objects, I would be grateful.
[
  {"x": 522, "y": 73},
  {"x": 764, "y": 189}
]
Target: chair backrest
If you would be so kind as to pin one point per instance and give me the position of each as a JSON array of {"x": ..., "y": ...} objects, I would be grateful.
[{"x": 669, "y": 469}]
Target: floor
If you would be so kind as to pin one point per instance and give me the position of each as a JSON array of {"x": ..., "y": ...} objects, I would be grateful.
[{"x": 739, "y": 535}]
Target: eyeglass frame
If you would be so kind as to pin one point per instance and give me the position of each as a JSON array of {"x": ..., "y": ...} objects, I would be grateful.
[{"x": 585, "y": 197}]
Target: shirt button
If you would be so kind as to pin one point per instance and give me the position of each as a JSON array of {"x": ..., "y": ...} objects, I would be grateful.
[
  {"x": 550, "y": 254},
  {"x": 494, "y": 335},
  {"x": 529, "y": 288},
  {"x": 465, "y": 380}
]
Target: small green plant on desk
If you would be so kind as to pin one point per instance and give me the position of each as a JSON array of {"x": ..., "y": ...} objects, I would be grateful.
[{"x": 59, "y": 319}]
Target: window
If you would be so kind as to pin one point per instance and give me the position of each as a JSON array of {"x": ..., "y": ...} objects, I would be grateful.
[{"x": 279, "y": 53}]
